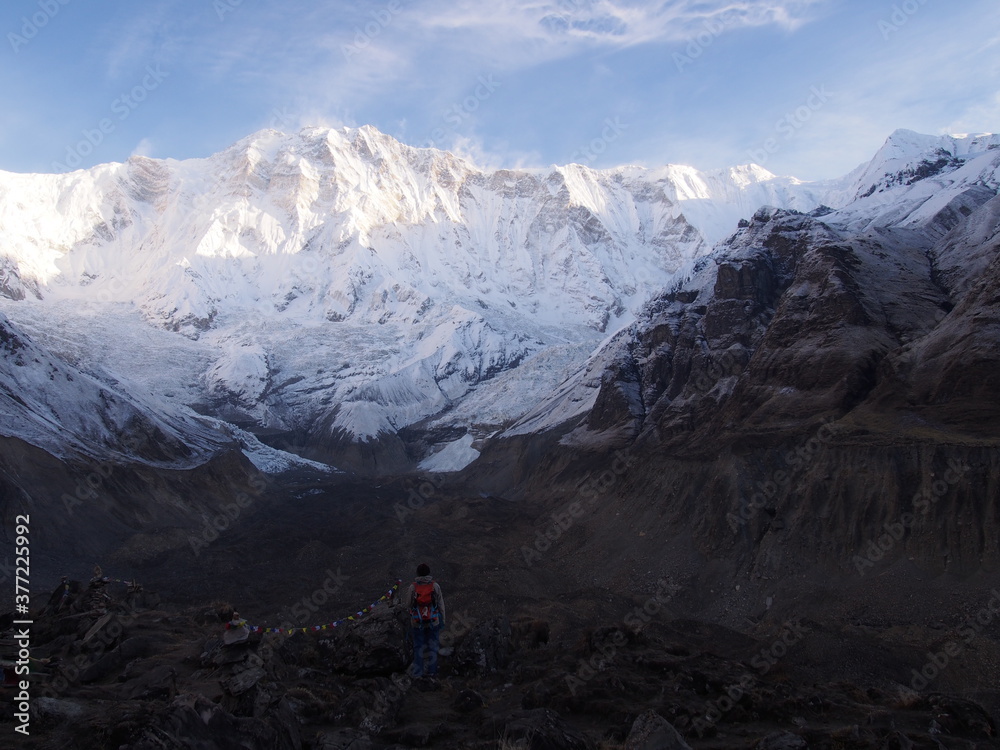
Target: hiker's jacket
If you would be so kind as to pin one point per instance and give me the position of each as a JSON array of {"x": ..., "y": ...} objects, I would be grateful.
[{"x": 406, "y": 600}]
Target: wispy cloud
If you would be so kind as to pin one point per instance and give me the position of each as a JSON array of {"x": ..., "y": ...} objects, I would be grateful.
[
  {"x": 977, "y": 117},
  {"x": 142, "y": 35},
  {"x": 431, "y": 53},
  {"x": 145, "y": 147},
  {"x": 558, "y": 69},
  {"x": 615, "y": 23},
  {"x": 514, "y": 34}
]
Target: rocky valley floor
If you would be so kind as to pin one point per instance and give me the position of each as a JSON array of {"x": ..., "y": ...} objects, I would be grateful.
[{"x": 538, "y": 652}]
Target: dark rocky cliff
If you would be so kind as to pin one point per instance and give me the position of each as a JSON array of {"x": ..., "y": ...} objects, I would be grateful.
[{"x": 804, "y": 392}]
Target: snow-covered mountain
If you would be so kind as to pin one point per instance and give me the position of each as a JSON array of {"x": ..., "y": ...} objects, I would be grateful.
[
  {"x": 915, "y": 234},
  {"x": 327, "y": 289}
]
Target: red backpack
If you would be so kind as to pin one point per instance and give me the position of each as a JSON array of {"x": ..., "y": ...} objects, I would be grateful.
[{"x": 423, "y": 609}]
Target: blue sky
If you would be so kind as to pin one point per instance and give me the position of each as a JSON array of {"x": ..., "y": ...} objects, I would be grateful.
[{"x": 805, "y": 87}]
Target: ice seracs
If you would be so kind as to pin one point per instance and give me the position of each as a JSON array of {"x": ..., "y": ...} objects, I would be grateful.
[{"x": 338, "y": 285}]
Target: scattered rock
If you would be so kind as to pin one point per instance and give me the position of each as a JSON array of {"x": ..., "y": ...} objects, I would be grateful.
[
  {"x": 160, "y": 682},
  {"x": 104, "y": 666},
  {"x": 781, "y": 741},
  {"x": 372, "y": 704},
  {"x": 245, "y": 680},
  {"x": 543, "y": 729},
  {"x": 54, "y": 708},
  {"x": 487, "y": 648},
  {"x": 652, "y": 732},
  {"x": 343, "y": 739},
  {"x": 898, "y": 741},
  {"x": 374, "y": 645},
  {"x": 192, "y": 721},
  {"x": 961, "y": 717},
  {"x": 467, "y": 701}
]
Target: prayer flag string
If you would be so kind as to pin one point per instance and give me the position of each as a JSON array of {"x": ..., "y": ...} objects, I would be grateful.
[{"x": 236, "y": 624}]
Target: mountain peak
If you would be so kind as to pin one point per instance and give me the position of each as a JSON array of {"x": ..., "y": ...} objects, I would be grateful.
[
  {"x": 908, "y": 157},
  {"x": 903, "y": 143}
]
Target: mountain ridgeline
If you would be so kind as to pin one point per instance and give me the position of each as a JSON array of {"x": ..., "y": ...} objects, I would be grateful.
[
  {"x": 701, "y": 459},
  {"x": 797, "y": 365}
]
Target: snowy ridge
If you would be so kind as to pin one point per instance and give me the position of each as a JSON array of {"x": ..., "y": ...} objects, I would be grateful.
[
  {"x": 907, "y": 157},
  {"x": 72, "y": 413},
  {"x": 948, "y": 215},
  {"x": 340, "y": 283}
]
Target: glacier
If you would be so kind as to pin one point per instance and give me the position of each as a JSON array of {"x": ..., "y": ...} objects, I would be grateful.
[{"x": 335, "y": 288}]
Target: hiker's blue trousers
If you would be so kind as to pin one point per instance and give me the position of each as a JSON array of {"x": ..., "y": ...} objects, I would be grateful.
[{"x": 426, "y": 642}]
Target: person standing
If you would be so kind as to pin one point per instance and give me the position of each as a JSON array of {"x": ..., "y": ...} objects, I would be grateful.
[{"x": 427, "y": 617}]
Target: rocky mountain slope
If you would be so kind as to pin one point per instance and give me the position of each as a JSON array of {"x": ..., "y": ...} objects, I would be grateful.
[
  {"x": 812, "y": 405},
  {"x": 352, "y": 300},
  {"x": 331, "y": 288},
  {"x": 764, "y": 508}
]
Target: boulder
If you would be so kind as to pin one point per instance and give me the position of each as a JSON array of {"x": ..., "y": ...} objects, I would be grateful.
[
  {"x": 373, "y": 646},
  {"x": 781, "y": 741},
  {"x": 237, "y": 633},
  {"x": 652, "y": 732},
  {"x": 487, "y": 647},
  {"x": 59, "y": 710},
  {"x": 467, "y": 701},
  {"x": 543, "y": 729},
  {"x": 193, "y": 721},
  {"x": 159, "y": 682},
  {"x": 343, "y": 739},
  {"x": 243, "y": 681}
]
